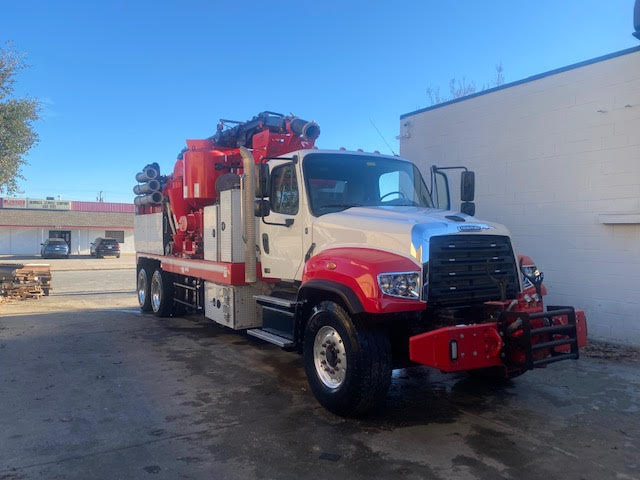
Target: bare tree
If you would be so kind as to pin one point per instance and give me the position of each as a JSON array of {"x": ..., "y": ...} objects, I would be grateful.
[
  {"x": 461, "y": 87},
  {"x": 434, "y": 95},
  {"x": 499, "y": 78}
]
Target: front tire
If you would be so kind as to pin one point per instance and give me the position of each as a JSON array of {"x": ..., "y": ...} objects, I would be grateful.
[
  {"x": 161, "y": 290},
  {"x": 142, "y": 288},
  {"x": 348, "y": 365}
]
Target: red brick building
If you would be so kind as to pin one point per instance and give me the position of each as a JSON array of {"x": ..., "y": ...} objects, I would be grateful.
[{"x": 26, "y": 222}]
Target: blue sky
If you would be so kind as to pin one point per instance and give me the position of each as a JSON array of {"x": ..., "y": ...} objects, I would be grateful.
[{"x": 125, "y": 82}]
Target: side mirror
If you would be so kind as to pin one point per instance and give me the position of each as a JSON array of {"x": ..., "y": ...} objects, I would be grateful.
[
  {"x": 262, "y": 185},
  {"x": 468, "y": 208},
  {"x": 536, "y": 278},
  {"x": 467, "y": 186},
  {"x": 262, "y": 208}
]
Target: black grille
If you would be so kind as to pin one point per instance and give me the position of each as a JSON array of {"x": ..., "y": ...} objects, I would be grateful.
[{"x": 460, "y": 267}]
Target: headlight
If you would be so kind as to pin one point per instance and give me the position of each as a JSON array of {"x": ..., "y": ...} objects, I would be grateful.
[{"x": 400, "y": 284}]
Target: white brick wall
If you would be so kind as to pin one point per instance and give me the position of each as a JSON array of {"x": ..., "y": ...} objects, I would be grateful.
[{"x": 550, "y": 156}]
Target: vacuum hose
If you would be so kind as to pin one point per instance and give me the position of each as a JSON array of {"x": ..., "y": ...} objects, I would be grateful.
[
  {"x": 309, "y": 130},
  {"x": 150, "y": 187},
  {"x": 150, "y": 172},
  {"x": 150, "y": 199}
]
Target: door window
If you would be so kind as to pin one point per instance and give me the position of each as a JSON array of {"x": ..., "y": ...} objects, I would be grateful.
[
  {"x": 284, "y": 190},
  {"x": 441, "y": 191},
  {"x": 395, "y": 185}
]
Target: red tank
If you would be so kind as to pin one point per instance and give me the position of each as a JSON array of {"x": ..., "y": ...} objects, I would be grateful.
[{"x": 192, "y": 185}]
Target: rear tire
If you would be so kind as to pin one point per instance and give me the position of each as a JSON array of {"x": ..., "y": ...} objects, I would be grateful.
[
  {"x": 161, "y": 290},
  {"x": 348, "y": 365},
  {"x": 142, "y": 289}
]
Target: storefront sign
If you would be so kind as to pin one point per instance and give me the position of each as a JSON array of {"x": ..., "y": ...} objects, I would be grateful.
[
  {"x": 36, "y": 204},
  {"x": 14, "y": 203}
]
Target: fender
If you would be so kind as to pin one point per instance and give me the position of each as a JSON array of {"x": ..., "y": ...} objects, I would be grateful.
[
  {"x": 356, "y": 270},
  {"x": 348, "y": 297}
]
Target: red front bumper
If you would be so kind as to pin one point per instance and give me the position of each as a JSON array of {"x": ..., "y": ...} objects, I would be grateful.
[{"x": 484, "y": 345}]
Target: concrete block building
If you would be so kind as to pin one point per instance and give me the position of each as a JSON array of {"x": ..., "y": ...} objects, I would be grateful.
[
  {"x": 26, "y": 223},
  {"x": 557, "y": 160}
]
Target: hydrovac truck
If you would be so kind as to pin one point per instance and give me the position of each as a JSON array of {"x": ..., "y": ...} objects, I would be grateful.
[{"x": 348, "y": 258}]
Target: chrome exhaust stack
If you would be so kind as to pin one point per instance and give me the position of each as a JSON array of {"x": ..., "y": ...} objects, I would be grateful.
[{"x": 248, "y": 215}]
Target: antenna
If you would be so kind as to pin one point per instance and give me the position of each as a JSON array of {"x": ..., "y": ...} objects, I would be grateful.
[{"x": 382, "y": 137}]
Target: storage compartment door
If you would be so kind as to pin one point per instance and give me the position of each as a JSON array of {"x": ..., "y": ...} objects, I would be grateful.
[
  {"x": 211, "y": 234},
  {"x": 231, "y": 306},
  {"x": 231, "y": 244}
]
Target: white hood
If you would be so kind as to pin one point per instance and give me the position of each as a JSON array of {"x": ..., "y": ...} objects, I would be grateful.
[{"x": 402, "y": 230}]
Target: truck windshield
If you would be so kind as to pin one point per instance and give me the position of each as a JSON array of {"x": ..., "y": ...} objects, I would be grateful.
[{"x": 336, "y": 182}]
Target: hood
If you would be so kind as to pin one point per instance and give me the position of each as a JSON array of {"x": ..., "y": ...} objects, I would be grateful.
[{"x": 403, "y": 230}]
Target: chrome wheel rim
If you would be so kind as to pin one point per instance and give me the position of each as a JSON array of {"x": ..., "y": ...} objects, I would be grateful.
[
  {"x": 142, "y": 286},
  {"x": 330, "y": 357},
  {"x": 155, "y": 293}
]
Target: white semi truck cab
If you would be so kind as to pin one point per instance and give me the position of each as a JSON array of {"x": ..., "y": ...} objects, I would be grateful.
[{"x": 349, "y": 258}]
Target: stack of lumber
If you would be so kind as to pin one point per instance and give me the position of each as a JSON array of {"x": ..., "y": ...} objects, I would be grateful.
[{"x": 22, "y": 282}]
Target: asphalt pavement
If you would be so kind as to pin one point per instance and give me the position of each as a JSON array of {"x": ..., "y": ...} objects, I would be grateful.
[{"x": 92, "y": 388}]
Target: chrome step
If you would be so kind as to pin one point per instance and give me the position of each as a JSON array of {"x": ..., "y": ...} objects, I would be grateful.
[
  {"x": 270, "y": 337},
  {"x": 275, "y": 301}
]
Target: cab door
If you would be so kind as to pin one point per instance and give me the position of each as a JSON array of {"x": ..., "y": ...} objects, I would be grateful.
[{"x": 281, "y": 232}]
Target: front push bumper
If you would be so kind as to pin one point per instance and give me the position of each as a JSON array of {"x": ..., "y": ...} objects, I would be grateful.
[{"x": 517, "y": 341}]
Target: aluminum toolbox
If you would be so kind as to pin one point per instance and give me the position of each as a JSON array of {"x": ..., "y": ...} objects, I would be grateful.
[{"x": 232, "y": 306}]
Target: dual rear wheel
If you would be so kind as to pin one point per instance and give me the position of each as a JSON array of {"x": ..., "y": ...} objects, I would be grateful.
[
  {"x": 347, "y": 362},
  {"x": 155, "y": 291}
]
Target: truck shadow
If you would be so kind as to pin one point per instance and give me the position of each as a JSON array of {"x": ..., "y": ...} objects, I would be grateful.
[
  {"x": 420, "y": 396},
  {"x": 417, "y": 396}
]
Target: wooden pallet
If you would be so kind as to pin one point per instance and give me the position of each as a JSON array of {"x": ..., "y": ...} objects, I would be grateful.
[{"x": 24, "y": 281}]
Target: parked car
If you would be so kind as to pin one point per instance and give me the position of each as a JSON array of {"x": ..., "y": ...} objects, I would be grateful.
[
  {"x": 54, "y": 247},
  {"x": 103, "y": 247}
]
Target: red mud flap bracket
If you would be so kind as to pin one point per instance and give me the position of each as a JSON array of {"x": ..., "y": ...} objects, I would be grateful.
[{"x": 462, "y": 347}]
